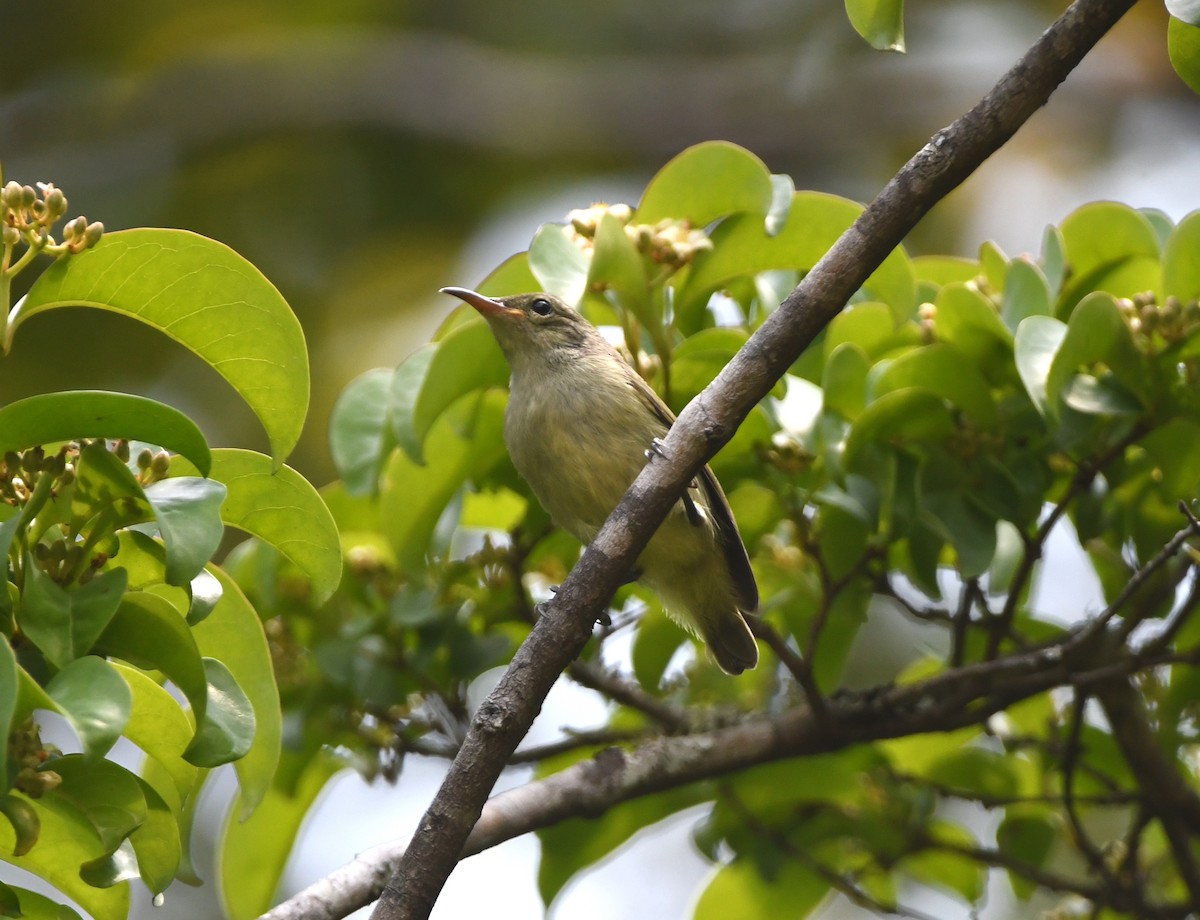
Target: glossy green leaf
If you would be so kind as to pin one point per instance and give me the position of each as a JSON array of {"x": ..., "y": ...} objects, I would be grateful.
[
  {"x": 1037, "y": 342},
  {"x": 1181, "y": 267},
  {"x": 1183, "y": 46},
  {"x": 359, "y": 435},
  {"x": 203, "y": 295},
  {"x": 698, "y": 359},
  {"x": 741, "y": 248},
  {"x": 871, "y": 326},
  {"x": 1054, "y": 259},
  {"x": 559, "y": 265},
  {"x": 1096, "y": 333},
  {"x": 67, "y": 841},
  {"x": 404, "y": 389},
  {"x": 467, "y": 360},
  {"x": 156, "y": 843},
  {"x": 75, "y": 414},
  {"x": 36, "y": 906},
  {"x": 227, "y": 731},
  {"x": 901, "y": 418},
  {"x": 1175, "y": 449},
  {"x": 106, "y": 794},
  {"x": 709, "y": 180},
  {"x": 994, "y": 262},
  {"x": 783, "y": 192},
  {"x": 65, "y": 623},
  {"x": 944, "y": 370},
  {"x": 844, "y": 381},
  {"x": 617, "y": 266},
  {"x": 967, "y": 320},
  {"x": 149, "y": 632},
  {"x": 1109, "y": 247},
  {"x": 413, "y": 497},
  {"x": 254, "y": 852},
  {"x": 161, "y": 729},
  {"x": 739, "y": 890},
  {"x": 943, "y": 270},
  {"x": 233, "y": 634},
  {"x": 880, "y": 22},
  {"x": 95, "y": 700},
  {"x": 1026, "y": 293},
  {"x": 281, "y": 508},
  {"x": 976, "y": 772},
  {"x": 188, "y": 513},
  {"x": 105, "y": 485}
]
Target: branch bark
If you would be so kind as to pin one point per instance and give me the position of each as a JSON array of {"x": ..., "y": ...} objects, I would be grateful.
[
  {"x": 964, "y": 696},
  {"x": 704, "y": 426}
]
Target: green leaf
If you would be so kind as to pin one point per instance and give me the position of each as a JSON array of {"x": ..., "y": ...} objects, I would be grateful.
[
  {"x": 35, "y": 906},
  {"x": 105, "y": 485},
  {"x": 67, "y": 841},
  {"x": 75, "y": 414},
  {"x": 203, "y": 295},
  {"x": 575, "y": 844},
  {"x": 1181, "y": 268},
  {"x": 233, "y": 633},
  {"x": 1028, "y": 834},
  {"x": 359, "y": 436},
  {"x": 966, "y": 527},
  {"x": 1096, "y": 333},
  {"x": 254, "y": 852},
  {"x": 404, "y": 388},
  {"x": 95, "y": 700},
  {"x": 655, "y": 643},
  {"x": 967, "y": 320},
  {"x": 949, "y": 871},
  {"x": 280, "y": 507},
  {"x": 8, "y": 691},
  {"x": 902, "y": 418},
  {"x": 976, "y": 772},
  {"x": 149, "y": 632},
  {"x": 1026, "y": 293},
  {"x": 1109, "y": 247},
  {"x": 741, "y": 247},
  {"x": 413, "y": 497},
  {"x": 1183, "y": 46},
  {"x": 783, "y": 192},
  {"x": 65, "y": 624},
  {"x": 699, "y": 358},
  {"x": 1037, "y": 342},
  {"x": 944, "y": 370},
  {"x": 707, "y": 181},
  {"x": 227, "y": 731},
  {"x": 559, "y": 265},
  {"x": 107, "y": 794},
  {"x": 466, "y": 361},
  {"x": 844, "y": 381},
  {"x": 162, "y": 730},
  {"x": 880, "y": 22},
  {"x": 188, "y": 512},
  {"x": 618, "y": 266},
  {"x": 739, "y": 890},
  {"x": 156, "y": 842}
]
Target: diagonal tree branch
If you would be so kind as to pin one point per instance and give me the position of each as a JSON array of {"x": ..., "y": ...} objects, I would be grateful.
[{"x": 705, "y": 425}]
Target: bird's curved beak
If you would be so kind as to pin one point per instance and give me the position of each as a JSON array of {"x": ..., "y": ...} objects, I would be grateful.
[{"x": 484, "y": 305}]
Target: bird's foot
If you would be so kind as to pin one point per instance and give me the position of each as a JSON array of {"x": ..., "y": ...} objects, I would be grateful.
[{"x": 656, "y": 449}]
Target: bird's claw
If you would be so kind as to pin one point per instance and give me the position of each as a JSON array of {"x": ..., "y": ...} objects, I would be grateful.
[{"x": 656, "y": 449}]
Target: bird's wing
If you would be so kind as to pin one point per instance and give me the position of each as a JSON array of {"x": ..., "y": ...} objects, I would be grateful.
[{"x": 718, "y": 506}]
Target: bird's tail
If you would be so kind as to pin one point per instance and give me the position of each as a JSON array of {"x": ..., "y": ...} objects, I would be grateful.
[{"x": 731, "y": 643}]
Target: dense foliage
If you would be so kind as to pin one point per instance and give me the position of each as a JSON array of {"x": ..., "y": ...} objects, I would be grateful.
[
  {"x": 112, "y": 506},
  {"x": 913, "y": 464}
]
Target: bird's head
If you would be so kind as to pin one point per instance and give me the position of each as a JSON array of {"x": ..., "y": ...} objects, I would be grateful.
[{"x": 531, "y": 327}]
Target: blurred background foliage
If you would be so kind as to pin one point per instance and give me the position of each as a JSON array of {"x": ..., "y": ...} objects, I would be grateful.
[{"x": 363, "y": 154}]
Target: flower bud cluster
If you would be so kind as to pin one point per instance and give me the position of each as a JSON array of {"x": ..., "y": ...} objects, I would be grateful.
[
  {"x": 668, "y": 242},
  {"x": 20, "y": 472},
  {"x": 26, "y": 750},
  {"x": 1172, "y": 321},
  {"x": 28, "y": 214}
]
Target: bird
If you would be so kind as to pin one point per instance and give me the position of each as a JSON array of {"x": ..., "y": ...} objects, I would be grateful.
[{"x": 579, "y": 426}]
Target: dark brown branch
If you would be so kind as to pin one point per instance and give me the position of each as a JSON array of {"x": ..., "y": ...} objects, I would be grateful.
[{"x": 705, "y": 425}]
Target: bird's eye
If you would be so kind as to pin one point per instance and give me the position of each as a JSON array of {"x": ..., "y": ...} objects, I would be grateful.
[{"x": 541, "y": 307}]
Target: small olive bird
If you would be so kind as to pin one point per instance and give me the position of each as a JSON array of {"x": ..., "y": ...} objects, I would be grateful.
[{"x": 580, "y": 425}]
